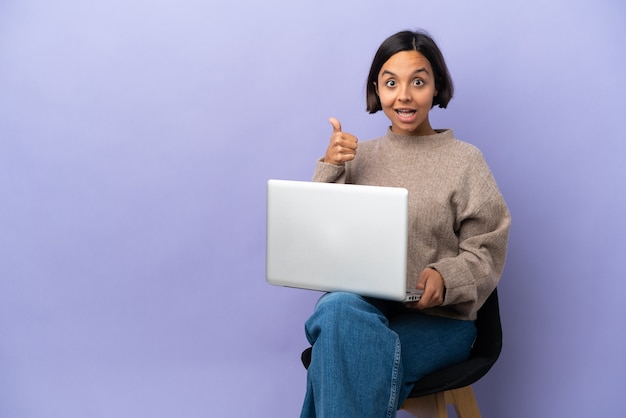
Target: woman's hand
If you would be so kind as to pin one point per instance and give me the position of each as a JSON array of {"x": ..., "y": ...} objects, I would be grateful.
[
  {"x": 342, "y": 145},
  {"x": 431, "y": 282}
]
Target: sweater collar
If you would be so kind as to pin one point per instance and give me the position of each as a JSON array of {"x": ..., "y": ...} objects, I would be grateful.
[{"x": 441, "y": 134}]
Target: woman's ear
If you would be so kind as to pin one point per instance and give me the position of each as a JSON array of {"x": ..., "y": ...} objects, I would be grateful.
[{"x": 376, "y": 87}]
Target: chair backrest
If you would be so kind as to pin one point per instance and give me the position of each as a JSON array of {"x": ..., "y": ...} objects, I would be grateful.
[{"x": 488, "y": 342}]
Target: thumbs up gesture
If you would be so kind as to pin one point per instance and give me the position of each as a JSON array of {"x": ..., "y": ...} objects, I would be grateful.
[{"x": 342, "y": 145}]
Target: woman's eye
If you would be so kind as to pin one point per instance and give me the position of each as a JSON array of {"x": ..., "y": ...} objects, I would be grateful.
[
  {"x": 417, "y": 82},
  {"x": 390, "y": 83}
]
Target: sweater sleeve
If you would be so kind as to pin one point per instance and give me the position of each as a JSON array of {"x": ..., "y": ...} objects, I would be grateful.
[
  {"x": 483, "y": 222},
  {"x": 329, "y": 173}
]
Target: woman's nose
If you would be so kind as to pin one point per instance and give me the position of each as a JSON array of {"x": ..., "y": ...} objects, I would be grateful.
[{"x": 405, "y": 94}]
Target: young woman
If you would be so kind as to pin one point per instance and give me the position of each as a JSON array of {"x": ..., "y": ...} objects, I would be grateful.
[{"x": 368, "y": 353}]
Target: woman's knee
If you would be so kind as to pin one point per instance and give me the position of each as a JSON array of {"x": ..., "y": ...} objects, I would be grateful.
[
  {"x": 341, "y": 311},
  {"x": 334, "y": 300},
  {"x": 345, "y": 305},
  {"x": 337, "y": 307}
]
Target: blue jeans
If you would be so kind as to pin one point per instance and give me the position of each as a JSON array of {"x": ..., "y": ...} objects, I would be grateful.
[{"x": 368, "y": 353}]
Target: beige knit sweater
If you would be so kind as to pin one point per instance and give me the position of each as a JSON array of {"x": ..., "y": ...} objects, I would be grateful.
[{"x": 458, "y": 220}]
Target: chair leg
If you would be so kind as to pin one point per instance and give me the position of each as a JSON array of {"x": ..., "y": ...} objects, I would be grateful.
[
  {"x": 464, "y": 402},
  {"x": 431, "y": 406},
  {"x": 434, "y": 406}
]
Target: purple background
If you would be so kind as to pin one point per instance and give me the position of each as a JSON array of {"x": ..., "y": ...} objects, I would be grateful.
[{"x": 136, "y": 138}]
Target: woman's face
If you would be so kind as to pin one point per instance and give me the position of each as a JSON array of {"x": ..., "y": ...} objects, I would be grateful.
[{"x": 406, "y": 88}]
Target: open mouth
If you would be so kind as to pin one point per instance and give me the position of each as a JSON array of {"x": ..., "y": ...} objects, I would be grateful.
[{"x": 406, "y": 114}]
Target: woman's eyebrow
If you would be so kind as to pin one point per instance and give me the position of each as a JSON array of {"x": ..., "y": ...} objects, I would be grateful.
[{"x": 419, "y": 70}]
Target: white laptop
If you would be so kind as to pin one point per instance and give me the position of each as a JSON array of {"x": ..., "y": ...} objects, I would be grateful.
[{"x": 338, "y": 237}]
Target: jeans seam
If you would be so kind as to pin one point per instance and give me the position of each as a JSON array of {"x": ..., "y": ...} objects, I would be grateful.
[{"x": 393, "y": 395}]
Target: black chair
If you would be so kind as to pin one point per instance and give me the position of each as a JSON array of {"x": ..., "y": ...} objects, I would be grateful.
[{"x": 452, "y": 385}]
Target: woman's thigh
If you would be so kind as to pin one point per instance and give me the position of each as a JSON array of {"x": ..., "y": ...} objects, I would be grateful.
[{"x": 429, "y": 343}]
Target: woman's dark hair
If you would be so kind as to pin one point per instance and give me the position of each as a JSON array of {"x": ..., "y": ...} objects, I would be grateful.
[{"x": 421, "y": 42}]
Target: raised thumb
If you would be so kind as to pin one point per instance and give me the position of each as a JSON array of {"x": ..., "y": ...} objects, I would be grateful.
[{"x": 336, "y": 124}]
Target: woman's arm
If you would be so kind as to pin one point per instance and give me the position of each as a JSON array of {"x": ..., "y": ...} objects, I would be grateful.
[{"x": 483, "y": 230}]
